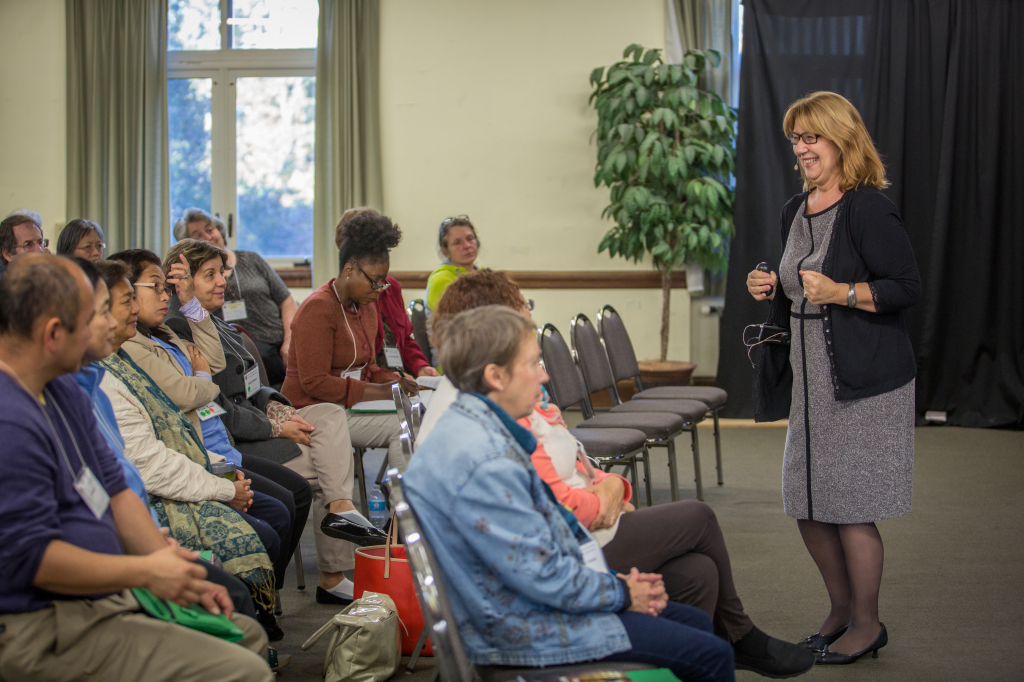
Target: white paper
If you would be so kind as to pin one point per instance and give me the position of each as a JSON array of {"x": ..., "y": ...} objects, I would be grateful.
[
  {"x": 374, "y": 406},
  {"x": 234, "y": 310},
  {"x": 94, "y": 495},
  {"x": 210, "y": 410},
  {"x": 429, "y": 382},
  {"x": 252, "y": 381},
  {"x": 394, "y": 357}
]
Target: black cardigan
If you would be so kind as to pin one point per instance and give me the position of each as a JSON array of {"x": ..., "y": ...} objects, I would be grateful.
[{"x": 869, "y": 353}]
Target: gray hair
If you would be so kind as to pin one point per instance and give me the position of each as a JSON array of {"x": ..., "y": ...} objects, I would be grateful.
[
  {"x": 196, "y": 252},
  {"x": 479, "y": 337},
  {"x": 196, "y": 215},
  {"x": 8, "y": 242},
  {"x": 28, "y": 213},
  {"x": 73, "y": 233}
]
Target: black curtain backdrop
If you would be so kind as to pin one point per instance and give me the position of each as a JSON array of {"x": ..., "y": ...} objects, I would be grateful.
[{"x": 939, "y": 85}]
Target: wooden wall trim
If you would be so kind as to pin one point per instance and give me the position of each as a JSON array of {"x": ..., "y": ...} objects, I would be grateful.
[{"x": 527, "y": 279}]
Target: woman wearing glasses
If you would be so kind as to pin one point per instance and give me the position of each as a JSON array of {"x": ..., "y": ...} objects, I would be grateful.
[
  {"x": 335, "y": 337},
  {"x": 82, "y": 238},
  {"x": 458, "y": 245},
  {"x": 847, "y": 273}
]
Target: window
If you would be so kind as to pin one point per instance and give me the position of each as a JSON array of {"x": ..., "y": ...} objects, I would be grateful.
[{"x": 241, "y": 107}]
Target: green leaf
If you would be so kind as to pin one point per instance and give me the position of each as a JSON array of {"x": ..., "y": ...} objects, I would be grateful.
[
  {"x": 596, "y": 75},
  {"x": 617, "y": 76},
  {"x": 651, "y": 56},
  {"x": 706, "y": 126},
  {"x": 719, "y": 153},
  {"x": 632, "y": 47}
]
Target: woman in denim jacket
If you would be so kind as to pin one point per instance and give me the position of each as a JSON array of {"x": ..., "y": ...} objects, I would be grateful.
[{"x": 512, "y": 558}]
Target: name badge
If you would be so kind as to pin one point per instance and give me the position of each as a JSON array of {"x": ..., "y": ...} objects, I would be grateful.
[
  {"x": 593, "y": 557},
  {"x": 233, "y": 310},
  {"x": 393, "y": 357},
  {"x": 95, "y": 497},
  {"x": 252, "y": 381},
  {"x": 210, "y": 410},
  {"x": 354, "y": 374}
]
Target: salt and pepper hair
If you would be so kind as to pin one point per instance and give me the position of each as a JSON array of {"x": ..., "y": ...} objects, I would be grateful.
[
  {"x": 479, "y": 337},
  {"x": 74, "y": 232},
  {"x": 196, "y": 252},
  {"x": 8, "y": 242},
  {"x": 196, "y": 215},
  {"x": 35, "y": 286},
  {"x": 446, "y": 226}
]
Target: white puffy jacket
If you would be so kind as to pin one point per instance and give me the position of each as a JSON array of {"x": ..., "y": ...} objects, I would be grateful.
[{"x": 165, "y": 472}]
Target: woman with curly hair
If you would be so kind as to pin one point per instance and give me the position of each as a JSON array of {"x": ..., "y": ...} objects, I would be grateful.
[{"x": 335, "y": 337}]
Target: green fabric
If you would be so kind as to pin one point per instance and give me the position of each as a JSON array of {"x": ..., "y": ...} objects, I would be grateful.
[
  {"x": 439, "y": 280},
  {"x": 655, "y": 675},
  {"x": 197, "y": 525},
  {"x": 195, "y": 616},
  {"x": 347, "y": 155},
  {"x": 117, "y": 120}
]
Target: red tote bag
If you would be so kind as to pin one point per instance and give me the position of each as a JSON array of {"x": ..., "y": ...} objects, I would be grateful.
[{"x": 385, "y": 569}]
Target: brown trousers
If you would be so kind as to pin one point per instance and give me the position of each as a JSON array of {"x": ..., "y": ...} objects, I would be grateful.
[
  {"x": 110, "y": 639},
  {"x": 683, "y": 542}
]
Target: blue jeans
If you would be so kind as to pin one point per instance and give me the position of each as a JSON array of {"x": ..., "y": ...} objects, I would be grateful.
[
  {"x": 270, "y": 519},
  {"x": 681, "y": 639}
]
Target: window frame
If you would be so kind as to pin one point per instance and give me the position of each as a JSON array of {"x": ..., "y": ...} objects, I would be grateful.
[{"x": 224, "y": 66}]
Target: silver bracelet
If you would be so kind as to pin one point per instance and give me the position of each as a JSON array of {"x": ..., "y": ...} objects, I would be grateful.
[{"x": 851, "y": 297}]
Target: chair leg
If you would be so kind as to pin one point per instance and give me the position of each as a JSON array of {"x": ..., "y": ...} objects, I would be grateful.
[
  {"x": 633, "y": 478},
  {"x": 420, "y": 643},
  {"x": 360, "y": 474},
  {"x": 673, "y": 472},
  {"x": 647, "y": 475},
  {"x": 383, "y": 470},
  {"x": 300, "y": 571},
  {"x": 718, "y": 448},
  {"x": 696, "y": 463}
]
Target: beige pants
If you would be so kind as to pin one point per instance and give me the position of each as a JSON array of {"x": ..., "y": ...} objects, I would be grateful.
[
  {"x": 380, "y": 430},
  {"x": 327, "y": 465},
  {"x": 110, "y": 639}
]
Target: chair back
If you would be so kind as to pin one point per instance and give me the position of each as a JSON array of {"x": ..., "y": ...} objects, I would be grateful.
[
  {"x": 417, "y": 417},
  {"x": 589, "y": 353},
  {"x": 418, "y": 317},
  {"x": 403, "y": 407},
  {"x": 621, "y": 355},
  {"x": 564, "y": 382},
  {"x": 449, "y": 652},
  {"x": 250, "y": 347}
]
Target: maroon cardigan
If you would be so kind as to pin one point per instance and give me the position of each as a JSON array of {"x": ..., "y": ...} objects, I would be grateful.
[{"x": 392, "y": 308}]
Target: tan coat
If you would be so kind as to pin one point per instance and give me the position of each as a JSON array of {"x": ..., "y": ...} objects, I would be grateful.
[{"x": 189, "y": 393}]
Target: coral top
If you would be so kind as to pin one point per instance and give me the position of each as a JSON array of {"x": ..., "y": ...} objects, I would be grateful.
[{"x": 328, "y": 342}]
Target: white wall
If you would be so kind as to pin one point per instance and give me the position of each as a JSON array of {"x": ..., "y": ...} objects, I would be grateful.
[{"x": 32, "y": 123}]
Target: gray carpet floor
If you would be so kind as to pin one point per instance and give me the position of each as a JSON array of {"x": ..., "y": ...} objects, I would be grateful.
[{"x": 953, "y": 588}]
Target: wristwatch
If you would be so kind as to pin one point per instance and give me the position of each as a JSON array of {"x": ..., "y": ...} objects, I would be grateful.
[{"x": 851, "y": 297}]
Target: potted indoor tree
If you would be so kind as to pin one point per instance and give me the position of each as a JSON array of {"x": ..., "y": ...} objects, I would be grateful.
[{"x": 666, "y": 149}]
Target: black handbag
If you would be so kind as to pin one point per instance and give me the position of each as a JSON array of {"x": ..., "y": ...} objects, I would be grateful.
[{"x": 773, "y": 375}]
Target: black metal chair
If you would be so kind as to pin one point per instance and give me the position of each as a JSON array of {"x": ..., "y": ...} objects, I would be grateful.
[
  {"x": 566, "y": 388},
  {"x": 450, "y": 660},
  {"x": 589, "y": 353},
  {"x": 624, "y": 366},
  {"x": 418, "y": 316}
]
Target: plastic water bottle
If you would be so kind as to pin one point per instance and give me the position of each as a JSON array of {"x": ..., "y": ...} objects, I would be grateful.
[{"x": 378, "y": 510}]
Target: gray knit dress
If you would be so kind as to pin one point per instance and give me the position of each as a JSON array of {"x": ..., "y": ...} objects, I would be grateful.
[{"x": 848, "y": 461}]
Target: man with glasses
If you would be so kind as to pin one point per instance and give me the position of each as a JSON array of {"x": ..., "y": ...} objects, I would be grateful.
[{"x": 20, "y": 232}]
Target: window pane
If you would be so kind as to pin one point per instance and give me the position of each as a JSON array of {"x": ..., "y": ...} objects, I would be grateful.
[
  {"x": 193, "y": 25},
  {"x": 274, "y": 24},
  {"x": 189, "y": 118},
  {"x": 274, "y": 128}
]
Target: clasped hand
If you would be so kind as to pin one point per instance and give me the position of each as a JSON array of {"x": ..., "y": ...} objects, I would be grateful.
[
  {"x": 646, "y": 591},
  {"x": 297, "y": 429}
]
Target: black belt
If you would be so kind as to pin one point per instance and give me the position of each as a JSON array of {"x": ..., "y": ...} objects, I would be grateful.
[{"x": 807, "y": 316}]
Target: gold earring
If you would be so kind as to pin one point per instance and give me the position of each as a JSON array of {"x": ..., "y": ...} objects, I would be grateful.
[{"x": 796, "y": 166}]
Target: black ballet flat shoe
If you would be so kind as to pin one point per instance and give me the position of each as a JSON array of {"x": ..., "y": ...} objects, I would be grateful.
[
  {"x": 777, "y": 659},
  {"x": 325, "y": 597},
  {"x": 816, "y": 642},
  {"x": 827, "y": 657},
  {"x": 337, "y": 526}
]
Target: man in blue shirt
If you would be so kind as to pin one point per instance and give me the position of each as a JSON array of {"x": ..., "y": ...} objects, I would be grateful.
[{"x": 75, "y": 538}]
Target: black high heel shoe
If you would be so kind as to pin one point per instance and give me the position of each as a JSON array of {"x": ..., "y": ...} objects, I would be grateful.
[
  {"x": 818, "y": 641},
  {"x": 827, "y": 657}
]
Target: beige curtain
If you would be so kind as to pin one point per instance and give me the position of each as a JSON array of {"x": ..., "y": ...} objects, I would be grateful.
[
  {"x": 348, "y": 163},
  {"x": 701, "y": 25},
  {"x": 117, "y": 120}
]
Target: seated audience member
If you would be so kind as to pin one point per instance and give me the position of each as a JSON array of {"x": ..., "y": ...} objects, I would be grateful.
[
  {"x": 82, "y": 238},
  {"x": 458, "y": 246},
  {"x": 169, "y": 361},
  {"x": 311, "y": 444},
  {"x": 395, "y": 327},
  {"x": 335, "y": 340},
  {"x": 175, "y": 467},
  {"x": 254, "y": 297},
  {"x": 20, "y": 232},
  {"x": 510, "y": 554},
  {"x": 101, "y": 344},
  {"x": 70, "y": 521},
  {"x": 680, "y": 540}
]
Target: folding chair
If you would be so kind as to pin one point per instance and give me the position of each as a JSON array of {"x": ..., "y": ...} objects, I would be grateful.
[{"x": 418, "y": 316}]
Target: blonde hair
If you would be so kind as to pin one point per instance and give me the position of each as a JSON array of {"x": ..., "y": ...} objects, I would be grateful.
[
  {"x": 349, "y": 215},
  {"x": 831, "y": 116}
]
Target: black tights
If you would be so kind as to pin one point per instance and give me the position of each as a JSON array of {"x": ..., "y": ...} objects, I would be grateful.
[{"x": 849, "y": 558}]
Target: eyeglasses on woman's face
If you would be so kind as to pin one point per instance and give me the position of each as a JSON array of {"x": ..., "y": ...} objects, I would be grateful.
[
  {"x": 808, "y": 138},
  {"x": 374, "y": 285},
  {"x": 159, "y": 288},
  {"x": 88, "y": 248}
]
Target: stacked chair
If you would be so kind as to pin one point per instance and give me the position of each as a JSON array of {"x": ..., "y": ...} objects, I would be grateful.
[
  {"x": 624, "y": 366},
  {"x": 589, "y": 353},
  {"x": 418, "y": 316}
]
